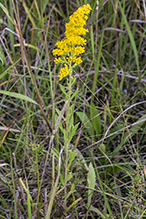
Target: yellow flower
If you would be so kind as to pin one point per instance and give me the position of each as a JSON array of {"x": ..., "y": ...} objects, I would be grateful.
[
  {"x": 77, "y": 22},
  {"x": 64, "y": 72},
  {"x": 72, "y": 46}
]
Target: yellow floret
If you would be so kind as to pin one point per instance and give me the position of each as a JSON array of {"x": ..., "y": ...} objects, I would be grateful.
[{"x": 63, "y": 72}]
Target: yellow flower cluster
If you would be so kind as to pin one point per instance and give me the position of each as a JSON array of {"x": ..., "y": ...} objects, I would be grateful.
[
  {"x": 64, "y": 72},
  {"x": 71, "y": 47}
]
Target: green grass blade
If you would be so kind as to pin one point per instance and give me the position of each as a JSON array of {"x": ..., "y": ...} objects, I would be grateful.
[
  {"x": 130, "y": 36},
  {"x": 19, "y": 96}
]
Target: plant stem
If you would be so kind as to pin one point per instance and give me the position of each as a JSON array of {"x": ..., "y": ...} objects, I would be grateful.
[{"x": 67, "y": 132}]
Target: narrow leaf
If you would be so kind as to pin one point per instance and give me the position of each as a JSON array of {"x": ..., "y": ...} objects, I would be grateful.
[
  {"x": 83, "y": 117},
  {"x": 91, "y": 179},
  {"x": 130, "y": 36},
  {"x": 19, "y": 96}
]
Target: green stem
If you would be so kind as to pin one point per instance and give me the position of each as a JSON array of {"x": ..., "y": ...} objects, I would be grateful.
[{"x": 67, "y": 127}]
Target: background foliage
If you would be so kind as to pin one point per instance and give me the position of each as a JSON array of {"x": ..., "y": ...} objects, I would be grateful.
[{"x": 106, "y": 163}]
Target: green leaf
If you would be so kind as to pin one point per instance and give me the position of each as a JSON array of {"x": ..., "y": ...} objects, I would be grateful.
[
  {"x": 84, "y": 119},
  {"x": 6, "y": 12},
  {"x": 62, "y": 89},
  {"x": 71, "y": 134},
  {"x": 130, "y": 36},
  {"x": 7, "y": 70},
  {"x": 69, "y": 176},
  {"x": 97, "y": 211},
  {"x": 91, "y": 179},
  {"x": 55, "y": 152},
  {"x": 95, "y": 119},
  {"x": 103, "y": 148},
  {"x": 74, "y": 94},
  {"x": 62, "y": 179},
  {"x": 2, "y": 57},
  {"x": 19, "y": 96},
  {"x": 3, "y": 7},
  {"x": 82, "y": 159},
  {"x": 72, "y": 155}
]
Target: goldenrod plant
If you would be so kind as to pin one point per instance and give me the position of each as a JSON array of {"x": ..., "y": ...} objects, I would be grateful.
[{"x": 69, "y": 51}]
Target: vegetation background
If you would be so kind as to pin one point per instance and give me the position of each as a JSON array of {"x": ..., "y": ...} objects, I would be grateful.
[{"x": 106, "y": 161}]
